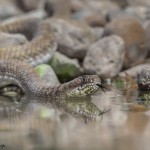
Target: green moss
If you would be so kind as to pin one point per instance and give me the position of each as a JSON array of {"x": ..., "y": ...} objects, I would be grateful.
[
  {"x": 41, "y": 69},
  {"x": 120, "y": 84},
  {"x": 64, "y": 67}
]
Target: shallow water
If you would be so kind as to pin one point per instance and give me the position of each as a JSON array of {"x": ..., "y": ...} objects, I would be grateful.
[{"x": 36, "y": 126}]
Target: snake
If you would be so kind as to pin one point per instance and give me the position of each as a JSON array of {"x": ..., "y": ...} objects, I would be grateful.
[{"x": 17, "y": 62}]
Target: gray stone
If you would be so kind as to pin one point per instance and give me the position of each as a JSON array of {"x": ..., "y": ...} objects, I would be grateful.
[
  {"x": 47, "y": 74},
  {"x": 8, "y": 40},
  {"x": 132, "y": 32},
  {"x": 103, "y": 7},
  {"x": 64, "y": 67},
  {"x": 147, "y": 32},
  {"x": 142, "y": 12},
  {"x": 29, "y": 5},
  {"x": 143, "y": 78},
  {"x": 98, "y": 32},
  {"x": 92, "y": 18},
  {"x": 8, "y": 9},
  {"x": 105, "y": 57},
  {"x": 139, "y": 2},
  {"x": 59, "y": 8},
  {"x": 73, "y": 37},
  {"x": 121, "y": 3},
  {"x": 134, "y": 70},
  {"x": 36, "y": 14},
  {"x": 122, "y": 14}
]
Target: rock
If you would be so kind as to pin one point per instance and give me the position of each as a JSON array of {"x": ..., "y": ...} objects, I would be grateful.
[
  {"x": 64, "y": 67},
  {"x": 93, "y": 12},
  {"x": 28, "y": 5},
  {"x": 133, "y": 34},
  {"x": 98, "y": 32},
  {"x": 47, "y": 74},
  {"x": 93, "y": 19},
  {"x": 73, "y": 37},
  {"x": 105, "y": 57},
  {"x": 98, "y": 6},
  {"x": 147, "y": 32},
  {"x": 121, "y": 3},
  {"x": 37, "y": 14},
  {"x": 134, "y": 70},
  {"x": 8, "y": 9},
  {"x": 8, "y": 40},
  {"x": 142, "y": 12},
  {"x": 59, "y": 8},
  {"x": 122, "y": 14},
  {"x": 139, "y": 2},
  {"x": 143, "y": 78}
]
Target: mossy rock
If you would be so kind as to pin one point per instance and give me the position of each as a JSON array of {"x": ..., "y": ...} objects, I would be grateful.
[
  {"x": 47, "y": 74},
  {"x": 64, "y": 67}
]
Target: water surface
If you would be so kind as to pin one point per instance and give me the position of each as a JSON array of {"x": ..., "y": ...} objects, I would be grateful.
[{"x": 36, "y": 126}]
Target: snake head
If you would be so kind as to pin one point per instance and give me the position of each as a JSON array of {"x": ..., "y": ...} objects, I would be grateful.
[{"x": 84, "y": 86}]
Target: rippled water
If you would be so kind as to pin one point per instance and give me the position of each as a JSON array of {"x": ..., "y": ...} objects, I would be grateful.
[{"x": 35, "y": 126}]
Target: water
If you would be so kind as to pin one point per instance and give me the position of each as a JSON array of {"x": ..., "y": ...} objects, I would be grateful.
[{"x": 36, "y": 126}]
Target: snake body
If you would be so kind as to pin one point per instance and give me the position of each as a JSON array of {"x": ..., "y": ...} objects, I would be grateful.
[
  {"x": 15, "y": 68},
  {"x": 37, "y": 51},
  {"x": 24, "y": 76}
]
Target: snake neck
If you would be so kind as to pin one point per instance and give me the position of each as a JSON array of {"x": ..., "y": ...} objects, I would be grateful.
[{"x": 24, "y": 76}]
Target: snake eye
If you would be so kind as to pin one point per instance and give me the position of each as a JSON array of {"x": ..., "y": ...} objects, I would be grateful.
[{"x": 83, "y": 78}]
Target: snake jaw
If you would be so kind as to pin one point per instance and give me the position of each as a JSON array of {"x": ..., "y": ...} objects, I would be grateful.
[
  {"x": 83, "y": 91},
  {"x": 102, "y": 87},
  {"x": 85, "y": 85}
]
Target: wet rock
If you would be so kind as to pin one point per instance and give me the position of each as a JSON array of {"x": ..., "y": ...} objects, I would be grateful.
[
  {"x": 133, "y": 34},
  {"x": 8, "y": 40},
  {"x": 134, "y": 70},
  {"x": 47, "y": 74},
  {"x": 139, "y": 2},
  {"x": 105, "y": 57},
  {"x": 64, "y": 67},
  {"x": 143, "y": 78},
  {"x": 73, "y": 37}
]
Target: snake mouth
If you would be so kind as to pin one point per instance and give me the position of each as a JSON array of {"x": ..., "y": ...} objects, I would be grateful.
[
  {"x": 86, "y": 90},
  {"x": 102, "y": 87}
]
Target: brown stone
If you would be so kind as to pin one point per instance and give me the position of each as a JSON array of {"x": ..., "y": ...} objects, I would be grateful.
[
  {"x": 72, "y": 36},
  {"x": 105, "y": 57},
  {"x": 131, "y": 30}
]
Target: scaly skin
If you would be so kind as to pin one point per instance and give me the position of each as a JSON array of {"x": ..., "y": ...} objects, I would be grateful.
[
  {"x": 15, "y": 68},
  {"x": 41, "y": 47},
  {"x": 25, "y": 77},
  {"x": 39, "y": 50}
]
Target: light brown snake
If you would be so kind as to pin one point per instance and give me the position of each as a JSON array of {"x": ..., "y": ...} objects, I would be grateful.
[{"x": 15, "y": 60}]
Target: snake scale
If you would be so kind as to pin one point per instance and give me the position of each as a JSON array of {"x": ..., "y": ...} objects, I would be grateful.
[{"x": 16, "y": 62}]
